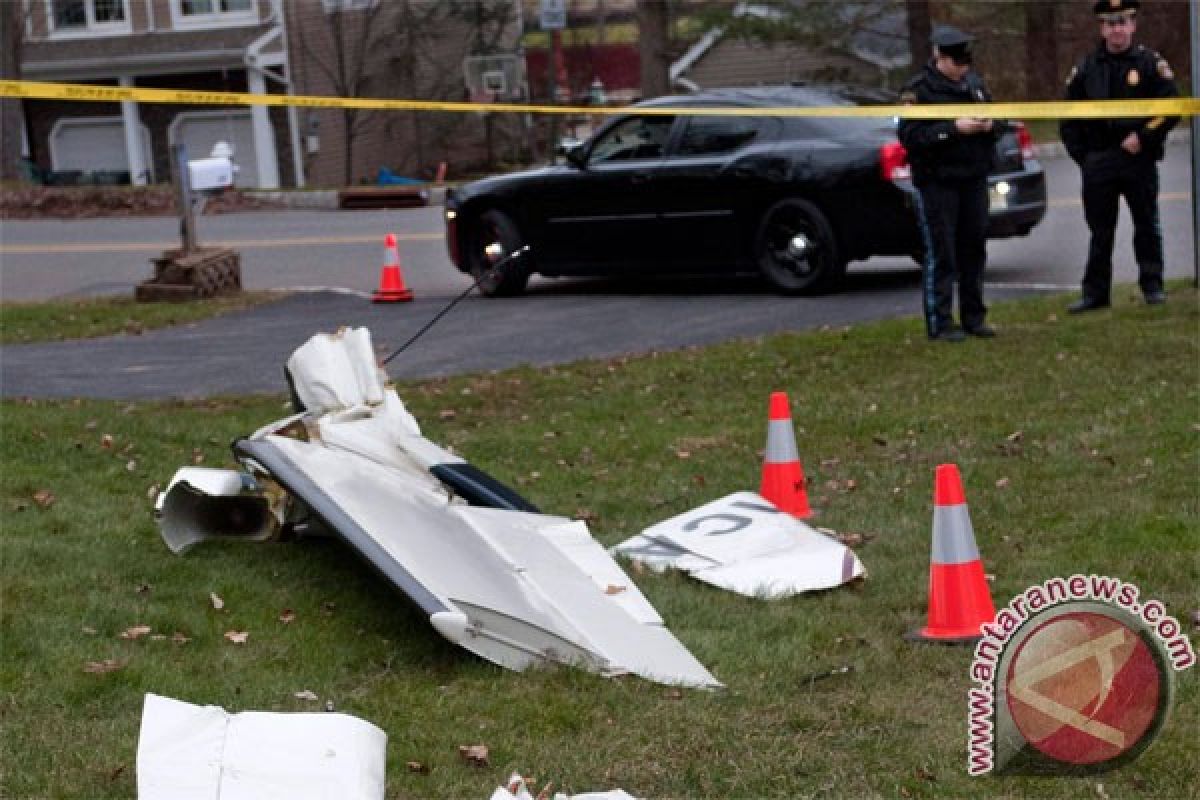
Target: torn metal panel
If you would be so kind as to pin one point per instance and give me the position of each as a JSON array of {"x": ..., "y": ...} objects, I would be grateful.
[
  {"x": 744, "y": 544},
  {"x": 190, "y": 752},
  {"x": 517, "y": 587},
  {"x": 200, "y": 503}
]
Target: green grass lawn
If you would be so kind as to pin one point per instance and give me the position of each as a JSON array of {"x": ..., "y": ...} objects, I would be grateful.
[
  {"x": 1077, "y": 438},
  {"x": 87, "y": 318}
]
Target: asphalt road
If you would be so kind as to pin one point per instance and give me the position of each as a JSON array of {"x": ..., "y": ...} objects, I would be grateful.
[{"x": 558, "y": 321}]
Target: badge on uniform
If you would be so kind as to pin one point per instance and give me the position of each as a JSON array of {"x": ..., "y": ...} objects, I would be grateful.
[
  {"x": 1164, "y": 70},
  {"x": 1133, "y": 77}
]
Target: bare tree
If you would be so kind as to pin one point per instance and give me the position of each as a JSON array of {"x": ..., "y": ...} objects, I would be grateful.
[
  {"x": 653, "y": 23},
  {"x": 12, "y": 118},
  {"x": 340, "y": 47},
  {"x": 919, "y": 30},
  {"x": 1041, "y": 49}
]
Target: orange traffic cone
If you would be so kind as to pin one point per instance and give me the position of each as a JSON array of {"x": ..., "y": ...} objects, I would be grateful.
[
  {"x": 782, "y": 475},
  {"x": 959, "y": 598},
  {"x": 391, "y": 282}
]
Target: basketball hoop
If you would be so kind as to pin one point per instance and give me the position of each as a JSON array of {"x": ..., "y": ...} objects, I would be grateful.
[{"x": 493, "y": 78}]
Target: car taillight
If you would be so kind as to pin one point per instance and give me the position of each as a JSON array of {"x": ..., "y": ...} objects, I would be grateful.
[
  {"x": 1025, "y": 141},
  {"x": 893, "y": 162}
]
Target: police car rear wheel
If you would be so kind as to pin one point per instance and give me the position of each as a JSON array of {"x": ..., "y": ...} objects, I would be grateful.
[{"x": 796, "y": 250}]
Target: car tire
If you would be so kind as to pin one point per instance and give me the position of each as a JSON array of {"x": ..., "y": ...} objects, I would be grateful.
[
  {"x": 819, "y": 269},
  {"x": 496, "y": 226}
]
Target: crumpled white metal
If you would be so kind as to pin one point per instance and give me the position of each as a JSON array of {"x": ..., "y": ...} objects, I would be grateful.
[
  {"x": 191, "y": 752},
  {"x": 518, "y": 789},
  {"x": 515, "y": 587},
  {"x": 745, "y": 544}
]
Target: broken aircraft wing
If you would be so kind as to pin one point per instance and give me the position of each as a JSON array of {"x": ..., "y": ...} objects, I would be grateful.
[
  {"x": 745, "y": 544},
  {"x": 514, "y": 586}
]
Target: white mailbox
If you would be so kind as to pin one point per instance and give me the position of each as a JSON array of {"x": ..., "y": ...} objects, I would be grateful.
[{"x": 209, "y": 174}]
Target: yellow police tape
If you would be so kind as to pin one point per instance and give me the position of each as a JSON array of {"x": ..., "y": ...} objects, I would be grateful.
[{"x": 1088, "y": 109}]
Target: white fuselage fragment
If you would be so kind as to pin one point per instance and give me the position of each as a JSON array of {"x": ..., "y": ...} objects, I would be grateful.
[{"x": 744, "y": 544}]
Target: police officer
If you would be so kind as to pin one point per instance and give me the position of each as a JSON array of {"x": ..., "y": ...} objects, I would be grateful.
[
  {"x": 950, "y": 161},
  {"x": 1118, "y": 157}
]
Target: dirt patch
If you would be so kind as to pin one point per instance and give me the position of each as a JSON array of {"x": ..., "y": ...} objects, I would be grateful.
[{"x": 72, "y": 202}]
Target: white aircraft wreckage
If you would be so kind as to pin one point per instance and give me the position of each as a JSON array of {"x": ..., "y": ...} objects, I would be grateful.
[
  {"x": 512, "y": 585},
  {"x": 745, "y": 544}
]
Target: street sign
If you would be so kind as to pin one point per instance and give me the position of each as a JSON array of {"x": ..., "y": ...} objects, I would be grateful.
[{"x": 552, "y": 15}]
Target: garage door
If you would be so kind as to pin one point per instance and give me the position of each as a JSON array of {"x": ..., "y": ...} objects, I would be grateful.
[
  {"x": 92, "y": 144},
  {"x": 200, "y": 130}
]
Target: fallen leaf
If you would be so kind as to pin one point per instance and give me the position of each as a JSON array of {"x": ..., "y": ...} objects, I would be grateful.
[
  {"x": 1015, "y": 436},
  {"x": 237, "y": 637},
  {"x": 179, "y": 638},
  {"x": 136, "y": 632},
  {"x": 305, "y": 694},
  {"x": 152, "y": 492},
  {"x": 474, "y": 754},
  {"x": 158, "y": 637},
  {"x": 131, "y": 465},
  {"x": 44, "y": 498},
  {"x": 851, "y": 485},
  {"x": 89, "y": 630},
  {"x": 215, "y": 599},
  {"x": 1196, "y": 619},
  {"x": 879, "y": 440},
  {"x": 926, "y": 774},
  {"x": 1002, "y": 483},
  {"x": 417, "y": 767},
  {"x": 675, "y": 693},
  {"x": 106, "y": 441},
  {"x": 197, "y": 456},
  {"x": 100, "y": 667},
  {"x": 116, "y": 772},
  {"x": 447, "y": 413},
  {"x": 91, "y": 424},
  {"x": 144, "y": 588},
  {"x": 287, "y": 616}
]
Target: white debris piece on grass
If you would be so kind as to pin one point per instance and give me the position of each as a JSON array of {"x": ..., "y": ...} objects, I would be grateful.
[
  {"x": 744, "y": 544},
  {"x": 191, "y": 752}
]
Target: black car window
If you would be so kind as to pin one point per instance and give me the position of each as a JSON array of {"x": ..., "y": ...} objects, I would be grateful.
[
  {"x": 706, "y": 135},
  {"x": 633, "y": 138}
]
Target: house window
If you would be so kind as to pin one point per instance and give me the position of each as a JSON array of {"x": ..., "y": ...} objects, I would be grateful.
[
  {"x": 195, "y": 7},
  {"x": 88, "y": 16},
  {"x": 336, "y": 6},
  {"x": 213, "y": 13}
]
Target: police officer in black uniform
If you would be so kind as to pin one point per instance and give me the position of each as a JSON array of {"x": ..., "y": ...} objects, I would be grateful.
[
  {"x": 1118, "y": 157},
  {"x": 950, "y": 161}
]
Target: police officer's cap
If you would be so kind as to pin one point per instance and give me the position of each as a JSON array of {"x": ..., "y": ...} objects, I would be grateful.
[
  {"x": 1105, "y": 7},
  {"x": 952, "y": 42}
]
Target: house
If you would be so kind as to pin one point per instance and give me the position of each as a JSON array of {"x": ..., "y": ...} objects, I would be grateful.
[
  {"x": 719, "y": 59},
  {"x": 368, "y": 48},
  {"x": 213, "y": 45}
]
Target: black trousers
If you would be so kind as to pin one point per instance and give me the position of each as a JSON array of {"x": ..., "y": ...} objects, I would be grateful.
[
  {"x": 953, "y": 215},
  {"x": 1107, "y": 177}
]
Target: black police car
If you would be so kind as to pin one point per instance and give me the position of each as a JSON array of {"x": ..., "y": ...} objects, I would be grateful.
[{"x": 792, "y": 198}]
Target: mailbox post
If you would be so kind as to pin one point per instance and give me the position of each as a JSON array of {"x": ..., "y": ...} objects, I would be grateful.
[{"x": 192, "y": 271}]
